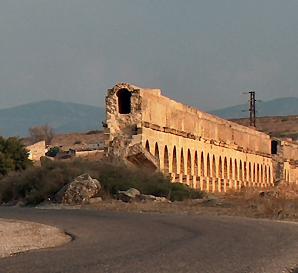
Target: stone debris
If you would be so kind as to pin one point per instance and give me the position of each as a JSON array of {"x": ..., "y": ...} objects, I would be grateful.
[
  {"x": 129, "y": 195},
  {"x": 135, "y": 195},
  {"x": 269, "y": 194},
  {"x": 140, "y": 157},
  {"x": 80, "y": 191},
  {"x": 152, "y": 198}
]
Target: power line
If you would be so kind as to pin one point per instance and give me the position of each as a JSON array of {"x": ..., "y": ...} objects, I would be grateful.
[{"x": 252, "y": 108}]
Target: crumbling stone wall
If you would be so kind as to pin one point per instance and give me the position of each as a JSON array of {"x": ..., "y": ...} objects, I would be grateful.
[
  {"x": 188, "y": 145},
  {"x": 36, "y": 151}
]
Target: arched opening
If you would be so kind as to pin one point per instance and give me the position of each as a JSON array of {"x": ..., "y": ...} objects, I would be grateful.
[
  {"x": 254, "y": 173},
  {"x": 225, "y": 168},
  {"x": 182, "y": 170},
  {"x": 240, "y": 171},
  {"x": 262, "y": 174},
  {"x": 208, "y": 166},
  {"x": 196, "y": 170},
  {"x": 156, "y": 153},
  {"x": 147, "y": 146},
  {"x": 249, "y": 172},
  {"x": 274, "y": 147},
  {"x": 202, "y": 165},
  {"x": 124, "y": 101},
  {"x": 236, "y": 170},
  {"x": 266, "y": 174},
  {"x": 174, "y": 163},
  {"x": 245, "y": 171},
  {"x": 213, "y": 167},
  {"x": 269, "y": 175},
  {"x": 188, "y": 162},
  {"x": 231, "y": 169},
  {"x": 258, "y": 173},
  {"x": 220, "y": 168},
  {"x": 166, "y": 160}
]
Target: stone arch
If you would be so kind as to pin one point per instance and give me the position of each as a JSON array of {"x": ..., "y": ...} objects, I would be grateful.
[
  {"x": 196, "y": 168},
  {"x": 213, "y": 167},
  {"x": 166, "y": 160},
  {"x": 156, "y": 153},
  {"x": 235, "y": 170},
  {"x": 188, "y": 162},
  {"x": 269, "y": 175},
  {"x": 262, "y": 174},
  {"x": 147, "y": 146},
  {"x": 202, "y": 165},
  {"x": 124, "y": 101},
  {"x": 240, "y": 171},
  {"x": 182, "y": 170},
  {"x": 245, "y": 170},
  {"x": 208, "y": 166},
  {"x": 220, "y": 175},
  {"x": 225, "y": 168},
  {"x": 231, "y": 169},
  {"x": 174, "y": 161}
]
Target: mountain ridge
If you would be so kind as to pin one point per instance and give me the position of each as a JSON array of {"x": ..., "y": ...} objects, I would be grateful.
[
  {"x": 62, "y": 116},
  {"x": 285, "y": 106},
  {"x": 67, "y": 117}
]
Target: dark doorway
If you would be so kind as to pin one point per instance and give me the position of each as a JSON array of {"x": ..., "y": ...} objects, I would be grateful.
[
  {"x": 274, "y": 145},
  {"x": 124, "y": 101}
]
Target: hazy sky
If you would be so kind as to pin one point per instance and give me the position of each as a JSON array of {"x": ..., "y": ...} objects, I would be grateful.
[{"x": 201, "y": 52}]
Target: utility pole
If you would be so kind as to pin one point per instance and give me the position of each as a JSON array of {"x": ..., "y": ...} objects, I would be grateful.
[{"x": 252, "y": 108}]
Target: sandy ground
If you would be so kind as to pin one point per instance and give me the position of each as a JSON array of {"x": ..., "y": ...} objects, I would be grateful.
[{"x": 20, "y": 236}]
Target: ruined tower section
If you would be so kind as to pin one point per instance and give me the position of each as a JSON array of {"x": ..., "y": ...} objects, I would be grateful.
[
  {"x": 123, "y": 119},
  {"x": 186, "y": 144}
]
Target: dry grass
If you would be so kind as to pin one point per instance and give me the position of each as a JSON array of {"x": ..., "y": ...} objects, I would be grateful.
[{"x": 275, "y": 203}]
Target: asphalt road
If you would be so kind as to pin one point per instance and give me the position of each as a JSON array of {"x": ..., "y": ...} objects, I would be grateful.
[{"x": 145, "y": 243}]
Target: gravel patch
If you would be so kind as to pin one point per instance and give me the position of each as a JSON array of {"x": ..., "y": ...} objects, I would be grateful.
[{"x": 20, "y": 236}]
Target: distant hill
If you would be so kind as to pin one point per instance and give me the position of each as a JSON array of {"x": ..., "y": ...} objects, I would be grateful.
[
  {"x": 63, "y": 117},
  {"x": 281, "y": 127},
  {"x": 276, "y": 107}
]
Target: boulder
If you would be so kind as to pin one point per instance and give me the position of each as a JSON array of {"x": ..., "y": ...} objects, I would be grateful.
[
  {"x": 80, "y": 191},
  {"x": 129, "y": 195},
  {"x": 95, "y": 200}
]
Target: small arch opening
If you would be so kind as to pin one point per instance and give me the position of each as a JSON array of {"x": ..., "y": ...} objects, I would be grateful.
[
  {"x": 274, "y": 146},
  {"x": 166, "y": 160},
  {"x": 147, "y": 146},
  {"x": 188, "y": 162},
  {"x": 174, "y": 163},
  {"x": 124, "y": 101}
]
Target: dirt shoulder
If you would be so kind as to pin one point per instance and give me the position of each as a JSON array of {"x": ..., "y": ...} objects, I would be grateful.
[{"x": 20, "y": 236}]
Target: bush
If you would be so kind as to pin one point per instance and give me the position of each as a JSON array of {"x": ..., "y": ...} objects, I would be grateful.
[
  {"x": 38, "y": 184},
  {"x": 13, "y": 155}
]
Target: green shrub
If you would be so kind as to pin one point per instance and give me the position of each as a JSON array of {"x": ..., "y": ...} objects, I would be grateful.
[
  {"x": 13, "y": 155},
  {"x": 38, "y": 184}
]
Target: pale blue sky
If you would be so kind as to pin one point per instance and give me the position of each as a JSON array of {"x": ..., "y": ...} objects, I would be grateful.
[{"x": 203, "y": 53}]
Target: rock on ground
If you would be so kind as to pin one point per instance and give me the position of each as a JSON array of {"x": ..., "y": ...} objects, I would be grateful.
[
  {"x": 20, "y": 236},
  {"x": 129, "y": 195},
  {"x": 80, "y": 191}
]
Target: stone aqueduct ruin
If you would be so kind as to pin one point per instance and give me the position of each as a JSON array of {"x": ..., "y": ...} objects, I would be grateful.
[{"x": 191, "y": 146}]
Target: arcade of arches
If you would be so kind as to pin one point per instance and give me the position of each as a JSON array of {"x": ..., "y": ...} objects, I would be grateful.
[
  {"x": 193, "y": 147},
  {"x": 206, "y": 166}
]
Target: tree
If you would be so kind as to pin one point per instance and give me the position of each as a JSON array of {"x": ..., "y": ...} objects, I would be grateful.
[
  {"x": 43, "y": 132},
  {"x": 13, "y": 155}
]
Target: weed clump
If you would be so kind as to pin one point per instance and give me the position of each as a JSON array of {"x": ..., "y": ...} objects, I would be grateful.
[{"x": 38, "y": 184}]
